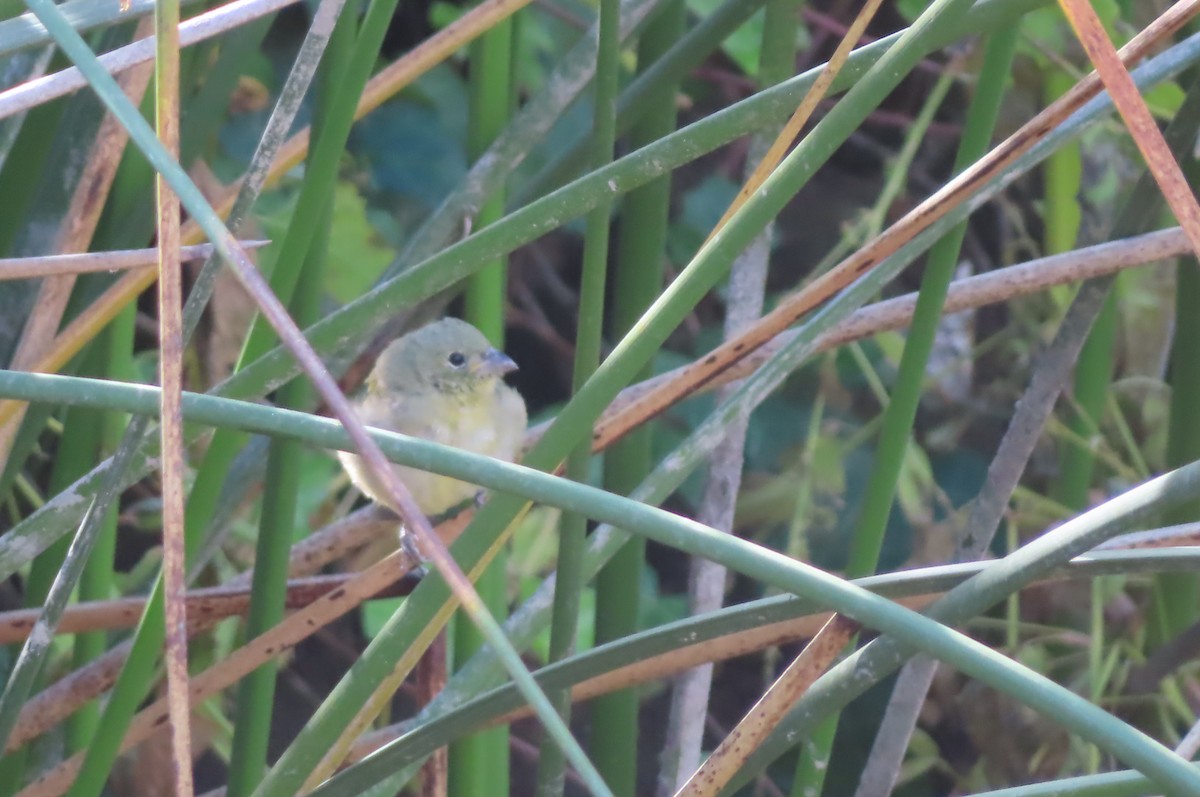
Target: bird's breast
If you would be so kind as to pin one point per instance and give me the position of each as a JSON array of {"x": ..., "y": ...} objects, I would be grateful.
[{"x": 471, "y": 427}]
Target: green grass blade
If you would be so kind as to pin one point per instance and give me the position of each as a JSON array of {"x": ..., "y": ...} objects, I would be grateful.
[
  {"x": 572, "y": 538},
  {"x": 641, "y": 254},
  {"x": 478, "y": 765}
]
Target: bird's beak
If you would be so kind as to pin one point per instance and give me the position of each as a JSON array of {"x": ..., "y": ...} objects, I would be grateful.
[{"x": 495, "y": 363}]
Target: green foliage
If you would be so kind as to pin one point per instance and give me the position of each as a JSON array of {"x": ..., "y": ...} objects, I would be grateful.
[
  {"x": 702, "y": 208},
  {"x": 413, "y": 146},
  {"x": 357, "y": 256},
  {"x": 376, "y": 613},
  {"x": 743, "y": 46}
]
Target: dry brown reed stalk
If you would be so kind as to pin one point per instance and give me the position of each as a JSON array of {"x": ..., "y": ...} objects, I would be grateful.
[
  {"x": 770, "y": 709},
  {"x": 700, "y": 374},
  {"x": 204, "y": 607},
  {"x": 340, "y": 539},
  {"x": 431, "y": 679},
  {"x": 294, "y": 628},
  {"x": 1133, "y": 109},
  {"x": 140, "y": 52},
  {"x": 170, "y": 370},
  {"x": 58, "y": 701},
  {"x": 971, "y": 293},
  {"x": 664, "y": 665},
  {"x": 12, "y": 268},
  {"x": 74, "y": 235}
]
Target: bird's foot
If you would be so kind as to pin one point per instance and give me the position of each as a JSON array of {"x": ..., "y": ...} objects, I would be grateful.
[{"x": 408, "y": 544}]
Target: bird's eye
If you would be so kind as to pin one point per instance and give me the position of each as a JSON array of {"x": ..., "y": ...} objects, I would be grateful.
[{"x": 457, "y": 359}]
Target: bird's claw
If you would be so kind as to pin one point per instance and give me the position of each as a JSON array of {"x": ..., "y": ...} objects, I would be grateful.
[{"x": 408, "y": 544}]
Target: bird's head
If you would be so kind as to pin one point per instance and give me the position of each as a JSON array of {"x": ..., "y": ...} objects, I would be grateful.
[{"x": 449, "y": 356}]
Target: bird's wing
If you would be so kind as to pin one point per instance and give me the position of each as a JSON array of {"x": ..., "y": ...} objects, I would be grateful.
[{"x": 393, "y": 413}]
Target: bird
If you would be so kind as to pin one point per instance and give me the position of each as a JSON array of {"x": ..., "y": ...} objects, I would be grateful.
[{"x": 443, "y": 382}]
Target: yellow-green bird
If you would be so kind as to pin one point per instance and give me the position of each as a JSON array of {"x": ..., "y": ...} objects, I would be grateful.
[{"x": 443, "y": 382}]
